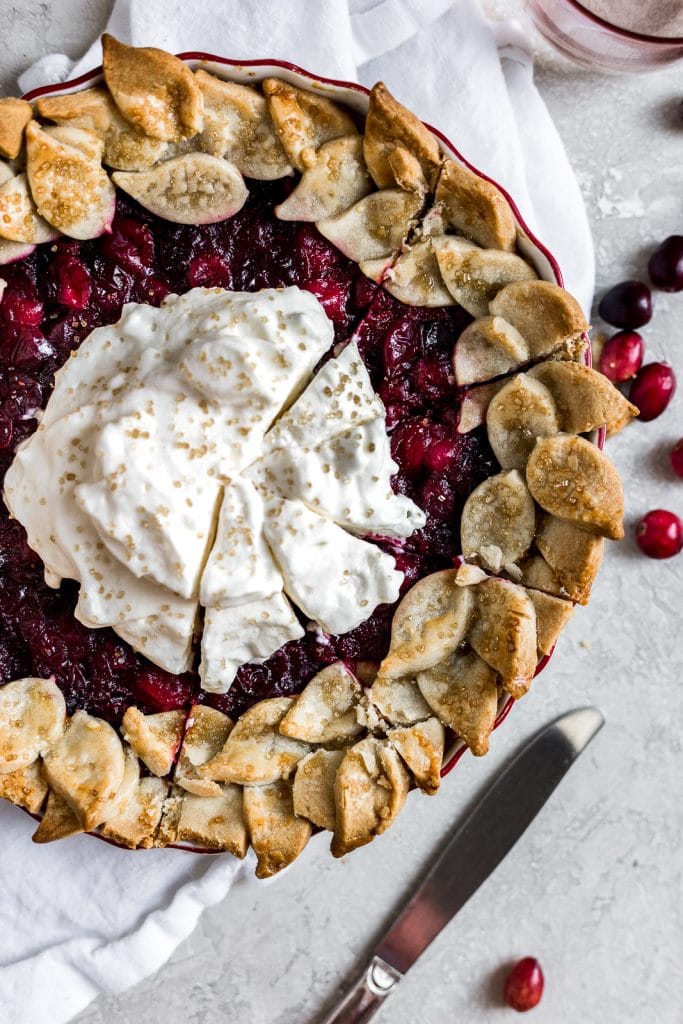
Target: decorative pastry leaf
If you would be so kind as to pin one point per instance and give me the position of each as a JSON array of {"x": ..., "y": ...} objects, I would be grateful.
[
  {"x": 474, "y": 276},
  {"x": 32, "y": 719},
  {"x": 475, "y": 208},
  {"x": 59, "y": 821},
  {"x": 336, "y": 181},
  {"x": 85, "y": 768},
  {"x": 205, "y": 736},
  {"x": 421, "y": 746},
  {"x": 545, "y": 315},
  {"x": 255, "y": 751},
  {"x": 573, "y": 554},
  {"x": 325, "y": 711},
  {"x": 15, "y": 114},
  {"x": 552, "y": 615},
  {"x": 72, "y": 192},
  {"x": 154, "y": 738},
  {"x": 370, "y": 790},
  {"x": 498, "y": 521},
  {"x": 520, "y": 412},
  {"x": 374, "y": 227},
  {"x": 313, "y": 789},
  {"x": 89, "y": 143},
  {"x": 277, "y": 835},
  {"x": 238, "y": 126},
  {"x": 429, "y": 623},
  {"x": 399, "y": 149},
  {"x": 474, "y": 405},
  {"x": 215, "y": 822},
  {"x": 399, "y": 700},
  {"x": 463, "y": 691},
  {"x": 135, "y": 823},
  {"x": 25, "y": 787},
  {"x": 584, "y": 398},
  {"x": 487, "y": 348},
  {"x": 131, "y": 777},
  {"x": 415, "y": 278},
  {"x": 12, "y": 252},
  {"x": 19, "y": 218},
  {"x": 155, "y": 91},
  {"x": 572, "y": 479},
  {"x": 503, "y": 633},
  {"x": 304, "y": 120},
  {"x": 192, "y": 189}
]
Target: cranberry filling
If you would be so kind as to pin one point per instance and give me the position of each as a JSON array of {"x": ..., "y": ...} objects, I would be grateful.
[{"x": 62, "y": 291}]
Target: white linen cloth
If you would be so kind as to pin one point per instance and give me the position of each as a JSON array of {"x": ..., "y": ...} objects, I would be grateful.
[{"x": 80, "y": 918}]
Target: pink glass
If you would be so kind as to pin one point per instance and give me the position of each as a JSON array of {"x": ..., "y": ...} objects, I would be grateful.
[{"x": 598, "y": 44}]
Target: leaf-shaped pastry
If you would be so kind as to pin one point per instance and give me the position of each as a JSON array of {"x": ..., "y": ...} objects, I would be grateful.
[
  {"x": 59, "y": 821},
  {"x": 25, "y": 787},
  {"x": 475, "y": 208},
  {"x": 519, "y": 413},
  {"x": 32, "y": 719},
  {"x": 238, "y": 126},
  {"x": 72, "y": 192},
  {"x": 131, "y": 777},
  {"x": 545, "y": 315},
  {"x": 336, "y": 181},
  {"x": 399, "y": 700},
  {"x": 572, "y": 479},
  {"x": 304, "y": 120},
  {"x": 498, "y": 521},
  {"x": 552, "y": 615},
  {"x": 12, "y": 252},
  {"x": 215, "y": 822},
  {"x": 573, "y": 554},
  {"x": 421, "y": 747},
  {"x": 463, "y": 691},
  {"x": 399, "y": 149},
  {"x": 15, "y": 114},
  {"x": 488, "y": 347},
  {"x": 205, "y": 735},
  {"x": 429, "y": 623},
  {"x": 474, "y": 276},
  {"x": 154, "y": 738},
  {"x": 503, "y": 633},
  {"x": 277, "y": 835},
  {"x": 19, "y": 217},
  {"x": 192, "y": 189},
  {"x": 325, "y": 710},
  {"x": 374, "y": 227},
  {"x": 135, "y": 823},
  {"x": 370, "y": 790},
  {"x": 256, "y": 751},
  {"x": 313, "y": 788},
  {"x": 584, "y": 398},
  {"x": 474, "y": 405},
  {"x": 153, "y": 90},
  {"x": 85, "y": 767},
  {"x": 415, "y": 278},
  {"x": 89, "y": 143}
]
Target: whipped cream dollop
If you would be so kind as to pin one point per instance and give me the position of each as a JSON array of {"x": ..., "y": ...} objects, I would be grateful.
[{"x": 189, "y": 457}]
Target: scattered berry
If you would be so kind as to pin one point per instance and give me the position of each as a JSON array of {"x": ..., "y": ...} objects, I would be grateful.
[
  {"x": 622, "y": 356},
  {"x": 665, "y": 266},
  {"x": 628, "y": 304},
  {"x": 524, "y": 985},
  {"x": 659, "y": 534},
  {"x": 653, "y": 389},
  {"x": 677, "y": 458}
]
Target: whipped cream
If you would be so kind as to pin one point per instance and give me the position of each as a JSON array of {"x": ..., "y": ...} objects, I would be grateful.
[{"x": 189, "y": 457}]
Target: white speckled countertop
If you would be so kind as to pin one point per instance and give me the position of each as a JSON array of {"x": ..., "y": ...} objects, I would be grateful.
[{"x": 595, "y": 888}]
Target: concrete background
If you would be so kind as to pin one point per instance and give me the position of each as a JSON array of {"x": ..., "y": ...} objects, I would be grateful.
[{"x": 594, "y": 888}]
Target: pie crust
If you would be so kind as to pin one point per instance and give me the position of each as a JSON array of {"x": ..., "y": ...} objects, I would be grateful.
[{"x": 343, "y": 753}]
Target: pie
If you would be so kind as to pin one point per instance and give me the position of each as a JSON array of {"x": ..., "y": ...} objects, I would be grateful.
[{"x": 300, "y": 474}]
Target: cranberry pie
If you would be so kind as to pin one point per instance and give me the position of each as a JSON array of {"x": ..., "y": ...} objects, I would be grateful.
[{"x": 300, "y": 481}]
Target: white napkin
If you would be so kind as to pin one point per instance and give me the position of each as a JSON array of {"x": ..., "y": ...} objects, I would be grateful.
[{"x": 80, "y": 918}]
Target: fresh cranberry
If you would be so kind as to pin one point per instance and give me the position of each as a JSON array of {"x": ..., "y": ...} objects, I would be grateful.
[
  {"x": 131, "y": 245},
  {"x": 665, "y": 266},
  {"x": 677, "y": 458},
  {"x": 622, "y": 356},
  {"x": 72, "y": 280},
  {"x": 21, "y": 305},
  {"x": 209, "y": 271},
  {"x": 524, "y": 985},
  {"x": 659, "y": 534},
  {"x": 653, "y": 389},
  {"x": 628, "y": 304}
]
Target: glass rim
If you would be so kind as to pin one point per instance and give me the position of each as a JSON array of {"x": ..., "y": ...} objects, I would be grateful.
[{"x": 625, "y": 32}]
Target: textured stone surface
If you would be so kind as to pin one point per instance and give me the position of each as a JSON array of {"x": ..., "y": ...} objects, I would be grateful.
[{"x": 594, "y": 889}]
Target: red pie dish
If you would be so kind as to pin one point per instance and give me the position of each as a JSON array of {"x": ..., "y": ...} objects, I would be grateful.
[{"x": 309, "y": 508}]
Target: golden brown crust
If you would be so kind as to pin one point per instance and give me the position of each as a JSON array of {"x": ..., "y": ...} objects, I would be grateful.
[
  {"x": 154, "y": 738},
  {"x": 474, "y": 276},
  {"x": 325, "y": 710},
  {"x": 136, "y": 822},
  {"x": 32, "y": 720},
  {"x": 571, "y": 479},
  {"x": 503, "y": 633},
  {"x": 205, "y": 736},
  {"x": 521, "y": 411},
  {"x": 584, "y": 398},
  {"x": 15, "y": 114},
  {"x": 573, "y": 555},
  {"x": 155, "y": 91},
  {"x": 313, "y": 789},
  {"x": 337, "y": 180},
  {"x": 399, "y": 149},
  {"x": 498, "y": 521},
  {"x": 371, "y": 787},
  {"x": 552, "y": 615},
  {"x": 475, "y": 208},
  {"x": 25, "y": 787},
  {"x": 545, "y": 315},
  {"x": 277, "y": 835},
  {"x": 373, "y": 228},
  {"x": 59, "y": 821},
  {"x": 304, "y": 120},
  {"x": 463, "y": 691},
  {"x": 488, "y": 347},
  {"x": 214, "y": 822},
  {"x": 421, "y": 747}
]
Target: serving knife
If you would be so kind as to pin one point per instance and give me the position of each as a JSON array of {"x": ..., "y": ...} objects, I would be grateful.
[{"x": 472, "y": 851}]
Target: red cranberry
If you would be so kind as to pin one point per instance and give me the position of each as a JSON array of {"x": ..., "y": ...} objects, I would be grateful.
[
  {"x": 628, "y": 304},
  {"x": 622, "y": 356},
  {"x": 208, "y": 271},
  {"x": 665, "y": 266},
  {"x": 331, "y": 294},
  {"x": 677, "y": 458},
  {"x": 161, "y": 690},
  {"x": 659, "y": 534},
  {"x": 653, "y": 389},
  {"x": 131, "y": 245},
  {"x": 72, "y": 281},
  {"x": 524, "y": 985},
  {"x": 21, "y": 305}
]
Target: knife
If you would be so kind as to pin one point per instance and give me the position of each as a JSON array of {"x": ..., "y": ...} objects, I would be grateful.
[{"x": 473, "y": 850}]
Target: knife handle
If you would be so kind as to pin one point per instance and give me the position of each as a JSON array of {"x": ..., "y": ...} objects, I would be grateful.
[{"x": 363, "y": 1000}]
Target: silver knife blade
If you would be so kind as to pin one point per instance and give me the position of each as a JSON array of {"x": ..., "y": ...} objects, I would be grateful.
[{"x": 490, "y": 831}]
